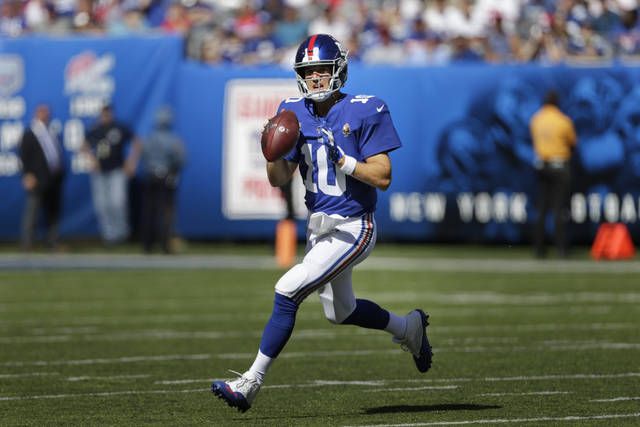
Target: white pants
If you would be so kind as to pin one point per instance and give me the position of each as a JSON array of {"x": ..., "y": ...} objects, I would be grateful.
[{"x": 334, "y": 247}]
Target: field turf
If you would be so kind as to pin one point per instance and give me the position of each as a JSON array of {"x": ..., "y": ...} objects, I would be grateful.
[{"x": 140, "y": 347}]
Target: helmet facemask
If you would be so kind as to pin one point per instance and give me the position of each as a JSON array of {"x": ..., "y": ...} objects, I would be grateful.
[{"x": 337, "y": 75}]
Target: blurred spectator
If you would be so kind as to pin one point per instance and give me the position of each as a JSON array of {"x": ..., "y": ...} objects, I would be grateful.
[
  {"x": 499, "y": 45},
  {"x": 176, "y": 19},
  {"x": 264, "y": 31},
  {"x": 12, "y": 23},
  {"x": 465, "y": 51},
  {"x": 554, "y": 140},
  {"x": 605, "y": 19},
  {"x": 291, "y": 29},
  {"x": 106, "y": 142},
  {"x": 627, "y": 35},
  {"x": 211, "y": 48},
  {"x": 162, "y": 160},
  {"x": 465, "y": 21},
  {"x": 387, "y": 51},
  {"x": 547, "y": 44},
  {"x": 127, "y": 19},
  {"x": 84, "y": 19},
  {"x": 37, "y": 16},
  {"x": 205, "y": 26},
  {"x": 42, "y": 160},
  {"x": 436, "y": 16},
  {"x": 247, "y": 24},
  {"x": 330, "y": 22}
]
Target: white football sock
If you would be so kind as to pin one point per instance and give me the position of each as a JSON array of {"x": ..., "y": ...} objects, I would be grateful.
[
  {"x": 397, "y": 326},
  {"x": 260, "y": 366}
]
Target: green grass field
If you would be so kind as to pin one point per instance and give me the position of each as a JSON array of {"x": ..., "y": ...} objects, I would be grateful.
[{"x": 141, "y": 347}]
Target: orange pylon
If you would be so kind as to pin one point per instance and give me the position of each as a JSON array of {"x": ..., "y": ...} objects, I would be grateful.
[
  {"x": 286, "y": 243},
  {"x": 613, "y": 242}
]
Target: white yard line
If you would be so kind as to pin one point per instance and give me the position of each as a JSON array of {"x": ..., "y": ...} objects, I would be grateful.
[
  {"x": 617, "y": 399},
  {"x": 328, "y": 333},
  {"x": 106, "y": 378},
  {"x": 479, "y": 298},
  {"x": 529, "y": 393},
  {"x": 256, "y": 262},
  {"x": 102, "y": 394},
  {"x": 510, "y": 420},
  {"x": 329, "y": 353},
  {"x": 452, "y": 349},
  {"x": 29, "y": 374},
  {"x": 129, "y": 359},
  {"x": 380, "y": 383},
  {"x": 457, "y": 312},
  {"x": 564, "y": 377},
  {"x": 187, "y": 381},
  {"x": 441, "y": 387},
  {"x": 502, "y": 298},
  {"x": 35, "y": 340}
]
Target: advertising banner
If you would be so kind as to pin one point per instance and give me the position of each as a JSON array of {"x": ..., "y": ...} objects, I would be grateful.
[
  {"x": 246, "y": 191},
  {"x": 76, "y": 77}
]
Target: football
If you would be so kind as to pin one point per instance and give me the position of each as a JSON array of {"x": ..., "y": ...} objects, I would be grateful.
[{"x": 280, "y": 135}]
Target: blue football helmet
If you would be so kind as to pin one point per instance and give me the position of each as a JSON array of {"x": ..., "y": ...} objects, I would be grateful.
[{"x": 318, "y": 50}]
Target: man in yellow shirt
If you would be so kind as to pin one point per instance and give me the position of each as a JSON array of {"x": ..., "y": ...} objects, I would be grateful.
[{"x": 554, "y": 139}]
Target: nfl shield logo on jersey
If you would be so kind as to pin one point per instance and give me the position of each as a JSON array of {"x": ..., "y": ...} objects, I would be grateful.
[{"x": 346, "y": 129}]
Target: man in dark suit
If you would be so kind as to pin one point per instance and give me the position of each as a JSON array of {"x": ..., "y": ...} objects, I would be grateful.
[{"x": 42, "y": 173}]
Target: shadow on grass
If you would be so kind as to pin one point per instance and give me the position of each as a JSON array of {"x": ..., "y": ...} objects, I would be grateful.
[{"x": 429, "y": 408}]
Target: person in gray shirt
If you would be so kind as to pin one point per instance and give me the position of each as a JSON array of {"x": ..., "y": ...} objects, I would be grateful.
[{"x": 162, "y": 160}]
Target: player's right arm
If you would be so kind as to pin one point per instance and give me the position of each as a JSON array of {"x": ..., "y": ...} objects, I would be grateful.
[{"x": 280, "y": 172}]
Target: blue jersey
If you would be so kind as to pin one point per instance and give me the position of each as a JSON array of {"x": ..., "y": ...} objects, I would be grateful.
[{"x": 362, "y": 127}]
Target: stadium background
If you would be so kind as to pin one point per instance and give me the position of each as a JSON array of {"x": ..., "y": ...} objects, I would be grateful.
[
  {"x": 462, "y": 78},
  {"x": 464, "y": 174},
  {"x": 112, "y": 337}
]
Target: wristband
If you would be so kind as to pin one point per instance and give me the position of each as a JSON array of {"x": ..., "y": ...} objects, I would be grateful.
[{"x": 349, "y": 165}]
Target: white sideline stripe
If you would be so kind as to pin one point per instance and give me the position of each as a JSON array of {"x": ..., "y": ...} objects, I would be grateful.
[
  {"x": 29, "y": 374},
  {"x": 562, "y": 377},
  {"x": 329, "y": 333},
  {"x": 457, "y": 312},
  {"x": 325, "y": 383},
  {"x": 316, "y": 383},
  {"x": 169, "y": 382},
  {"x": 453, "y": 349},
  {"x": 317, "y": 333},
  {"x": 37, "y": 339},
  {"x": 529, "y": 393},
  {"x": 501, "y": 298},
  {"x": 262, "y": 262},
  {"x": 435, "y": 387},
  {"x": 102, "y": 394},
  {"x": 478, "y": 298},
  {"x": 616, "y": 399},
  {"x": 130, "y": 359},
  {"x": 380, "y": 383},
  {"x": 112, "y": 377},
  {"x": 509, "y": 420}
]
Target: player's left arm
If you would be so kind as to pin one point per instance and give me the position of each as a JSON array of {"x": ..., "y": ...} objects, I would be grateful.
[
  {"x": 377, "y": 138},
  {"x": 375, "y": 170}
]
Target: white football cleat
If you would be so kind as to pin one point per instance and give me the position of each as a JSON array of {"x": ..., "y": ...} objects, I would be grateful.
[
  {"x": 416, "y": 341},
  {"x": 239, "y": 393}
]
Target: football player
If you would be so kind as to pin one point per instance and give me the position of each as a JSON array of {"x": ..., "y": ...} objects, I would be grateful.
[{"x": 342, "y": 154}]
